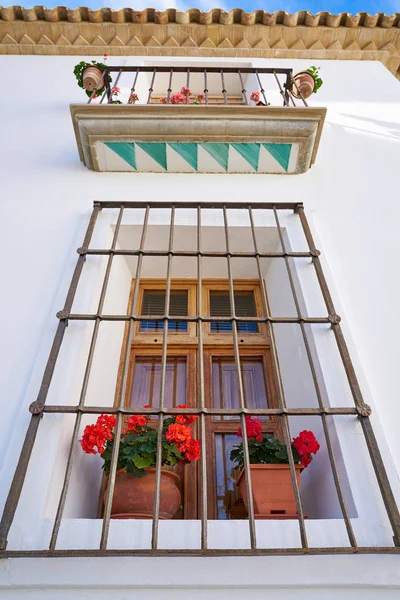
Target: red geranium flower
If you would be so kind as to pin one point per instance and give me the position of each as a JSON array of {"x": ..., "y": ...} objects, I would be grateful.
[
  {"x": 192, "y": 450},
  {"x": 255, "y": 96},
  {"x": 253, "y": 429},
  {"x": 178, "y": 434},
  {"x": 136, "y": 421},
  {"x": 185, "y": 419},
  {"x": 306, "y": 444}
]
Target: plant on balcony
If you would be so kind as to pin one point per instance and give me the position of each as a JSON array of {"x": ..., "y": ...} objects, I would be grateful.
[
  {"x": 255, "y": 97},
  {"x": 114, "y": 94},
  {"x": 185, "y": 96},
  {"x": 306, "y": 82},
  {"x": 133, "y": 98},
  {"x": 88, "y": 76},
  {"x": 137, "y": 456},
  {"x": 273, "y": 493}
]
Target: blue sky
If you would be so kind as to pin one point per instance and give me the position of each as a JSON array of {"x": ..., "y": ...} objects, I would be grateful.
[{"x": 314, "y": 6}]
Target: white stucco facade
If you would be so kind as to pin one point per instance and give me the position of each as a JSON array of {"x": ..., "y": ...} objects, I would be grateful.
[{"x": 351, "y": 197}]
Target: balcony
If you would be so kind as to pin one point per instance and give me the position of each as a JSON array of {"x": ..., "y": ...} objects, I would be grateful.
[{"x": 217, "y": 129}]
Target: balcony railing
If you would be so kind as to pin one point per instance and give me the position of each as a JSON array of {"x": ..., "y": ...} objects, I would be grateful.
[
  {"x": 351, "y": 472},
  {"x": 267, "y": 82}
]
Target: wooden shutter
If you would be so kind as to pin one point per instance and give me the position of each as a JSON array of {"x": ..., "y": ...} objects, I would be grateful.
[
  {"x": 220, "y": 306},
  {"x": 154, "y": 304}
]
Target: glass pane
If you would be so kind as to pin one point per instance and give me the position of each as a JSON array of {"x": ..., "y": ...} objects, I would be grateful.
[
  {"x": 154, "y": 304},
  {"x": 220, "y": 306},
  {"x": 147, "y": 382},
  {"x": 225, "y": 384},
  {"x": 229, "y": 504}
]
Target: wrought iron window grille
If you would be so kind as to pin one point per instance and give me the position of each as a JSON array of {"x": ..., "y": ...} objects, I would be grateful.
[{"x": 360, "y": 410}]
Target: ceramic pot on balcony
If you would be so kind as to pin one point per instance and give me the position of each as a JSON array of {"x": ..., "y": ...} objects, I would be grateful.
[
  {"x": 90, "y": 78},
  {"x": 134, "y": 496},
  {"x": 273, "y": 494},
  {"x": 305, "y": 84}
]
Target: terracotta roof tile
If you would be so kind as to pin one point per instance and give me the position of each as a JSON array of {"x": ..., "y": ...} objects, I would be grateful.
[{"x": 194, "y": 15}]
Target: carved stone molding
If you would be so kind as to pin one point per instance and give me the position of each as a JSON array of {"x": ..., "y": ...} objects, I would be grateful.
[{"x": 81, "y": 31}]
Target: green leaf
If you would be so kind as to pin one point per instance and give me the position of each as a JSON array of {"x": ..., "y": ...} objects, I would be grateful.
[{"x": 141, "y": 462}]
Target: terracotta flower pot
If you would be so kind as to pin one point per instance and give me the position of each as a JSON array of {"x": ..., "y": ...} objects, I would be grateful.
[
  {"x": 273, "y": 495},
  {"x": 134, "y": 496},
  {"x": 305, "y": 83},
  {"x": 90, "y": 78}
]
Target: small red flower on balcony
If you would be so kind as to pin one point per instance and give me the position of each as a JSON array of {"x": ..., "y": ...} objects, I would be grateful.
[
  {"x": 115, "y": 90},
  {"x": 186, "y": 91},
  {"x": 255, "y": 96},
  {"x": 133, "y": 98}
]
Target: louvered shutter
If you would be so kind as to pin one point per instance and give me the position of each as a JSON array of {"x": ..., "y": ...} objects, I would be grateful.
[
  {"x": 154, "y": 304},
  {"x": 220, "y": 307}
]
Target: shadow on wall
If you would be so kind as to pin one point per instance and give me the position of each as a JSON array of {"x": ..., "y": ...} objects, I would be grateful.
[{"x": 392, "y": 129}]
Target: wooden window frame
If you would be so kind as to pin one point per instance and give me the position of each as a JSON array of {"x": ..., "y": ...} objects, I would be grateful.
[{"x": 146, "y": 343}]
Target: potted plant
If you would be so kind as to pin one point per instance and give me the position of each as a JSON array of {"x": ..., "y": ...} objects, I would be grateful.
[
  {"x": 272, "y": 488},
  {"x": 135, "y": 478},
  {"x": 307, "y": 82},
  {"x": 89, "y": 77}
]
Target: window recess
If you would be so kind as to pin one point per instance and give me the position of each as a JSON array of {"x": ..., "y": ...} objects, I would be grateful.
[{"x": 223, "y": 382}]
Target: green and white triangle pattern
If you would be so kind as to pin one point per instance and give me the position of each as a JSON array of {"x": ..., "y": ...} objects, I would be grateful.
[{"x": 192, "y": 157}]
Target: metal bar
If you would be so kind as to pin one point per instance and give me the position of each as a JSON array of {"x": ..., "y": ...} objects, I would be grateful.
[
  {"x": 284, "y": 96},
  {"x": 363, "y": 409},
  {"x": 223, "y": 87},
  {"x": 317, "y": 388},
  {"x": 60, "y": 408},
  {"x": 160, "y": 69},
  {"x": 261, "y": 87},
  {"x": 187, "y": 85},
  {"x": 243, "y": 88},
  {"x": 289, "y": 76},
  {"x": 107, "y": 85},
  {"x": 186, "y": 319},
  {"x": 280, "y": 391},
  {"x": 252, "y": 527},
  {"x": 117, "y": 434},
  {"x": 205, "y": 87},
  {"x": 208, "y": 552},
  {"x": 156, "y": 509},
  {"x": 85, "y": 383},
  {"x": 204, "y": 499},
  {"x": 188, "y": 253},
  {"x": 111, "y": 484},
  {"x": 133, "y": 88},
  {"x": 151, "y": 85},
  {"x": 37, "y": 406},
  {"x": 185, "y": 204},
  {"x": 169, "y": 90}
]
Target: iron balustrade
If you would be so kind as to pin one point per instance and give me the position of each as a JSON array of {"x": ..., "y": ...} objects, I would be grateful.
[
  {"x": 282, "y": 81},
  {"x": 360, "y": 410}
]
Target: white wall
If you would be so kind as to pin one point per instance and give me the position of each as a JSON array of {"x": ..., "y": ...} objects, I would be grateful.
[{"x": 351, "y": 196}]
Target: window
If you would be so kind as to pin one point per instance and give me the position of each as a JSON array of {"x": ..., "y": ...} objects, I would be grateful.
[
  {"x": 294, "y": 372},
  {"x": 144, "y": 380}
]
